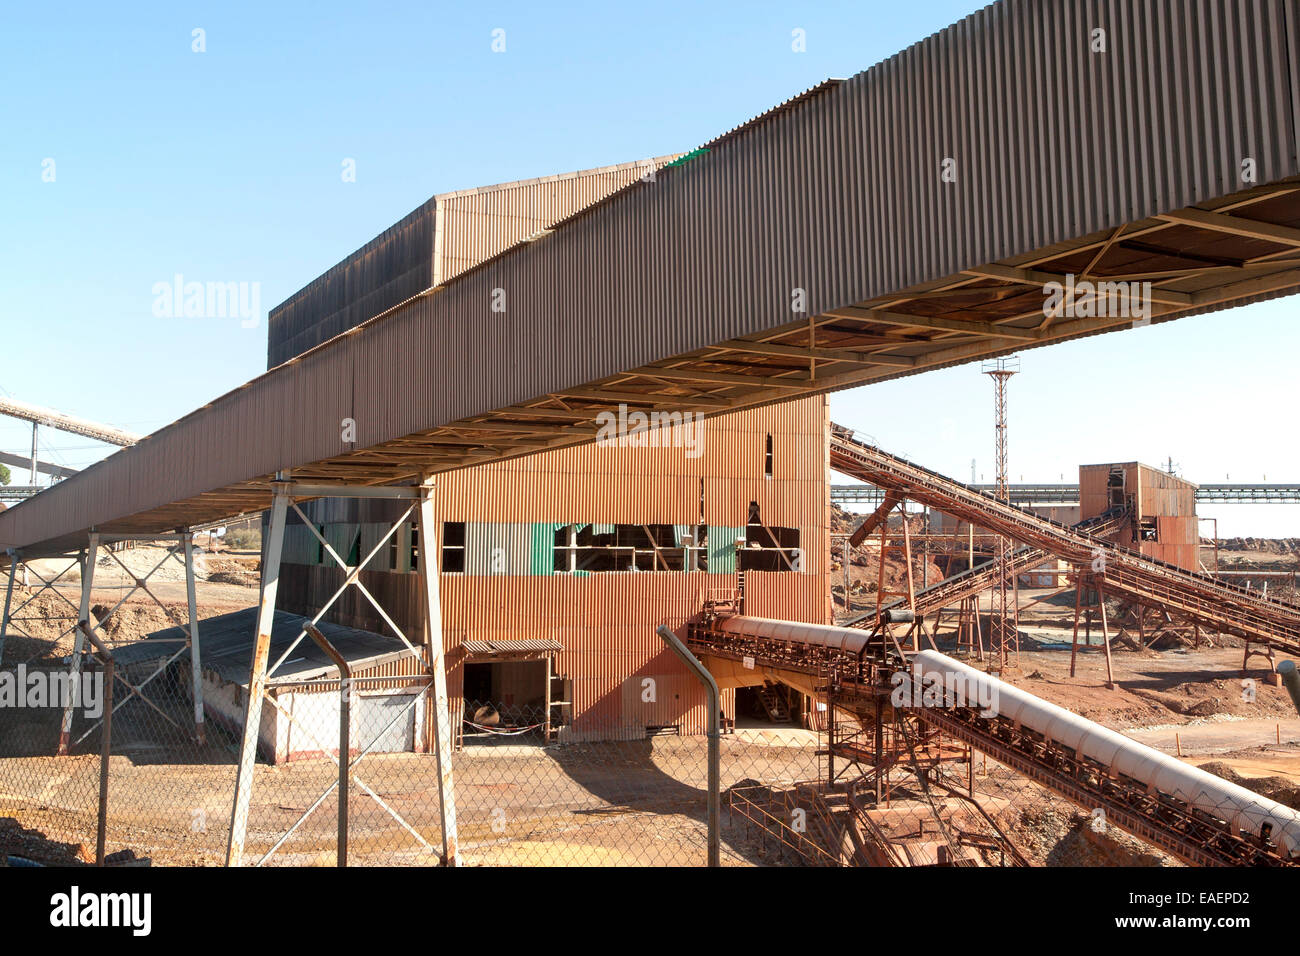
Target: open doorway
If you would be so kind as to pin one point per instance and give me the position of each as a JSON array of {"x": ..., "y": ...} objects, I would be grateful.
[
  {"x": 770, "y": 704},
  {"x": 507, "y": 701}
]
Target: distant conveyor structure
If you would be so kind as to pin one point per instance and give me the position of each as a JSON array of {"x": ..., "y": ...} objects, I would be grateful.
[
  {"x": 981, "y": 577},
  {"x": 1200, "y": 598}
]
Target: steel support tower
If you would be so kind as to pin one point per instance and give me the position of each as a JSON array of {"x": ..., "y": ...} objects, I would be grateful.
[{"x": 1004, "y": 616}]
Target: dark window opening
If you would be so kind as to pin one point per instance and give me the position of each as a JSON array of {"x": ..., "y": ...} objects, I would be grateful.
[
  {"x": 506, "y": 701},
  {"x": 453, "y": 547},
  {"x": 595, "y": 548},
  {"x": 354, "y": 552},
  {"x": 1115, "y": 486},
  {"x": 1148, "y": 529},
  {"x": 768, "y": 548},
  {"x": 320, "y": 545},
  {"x": 415, "y": 546},
  {"x": 767, "y": 459}
]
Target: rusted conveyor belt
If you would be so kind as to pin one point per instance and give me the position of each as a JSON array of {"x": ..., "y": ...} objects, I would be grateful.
[
  {"x": 1202, "y": 819},
  {"x": 1217, "y": 606},
  {"x": 983, "y": 576}
]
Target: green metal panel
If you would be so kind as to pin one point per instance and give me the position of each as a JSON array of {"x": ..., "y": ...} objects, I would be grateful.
[
  {"x": 722, "y": 548},
  {"x": 543, "y": 550}
]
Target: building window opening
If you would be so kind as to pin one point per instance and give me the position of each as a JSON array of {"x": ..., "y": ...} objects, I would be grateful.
[
  {"x": 453, "y": 547},
  {"x": 596, "y": 548},
  {"x": 768, "y": 548},
  {"x": 767, "y": 459}
]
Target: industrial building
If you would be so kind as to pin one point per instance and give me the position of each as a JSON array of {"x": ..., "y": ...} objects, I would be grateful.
[
  {"x": 1162, "y": 506},
  {"x": 558, "y": 566}
]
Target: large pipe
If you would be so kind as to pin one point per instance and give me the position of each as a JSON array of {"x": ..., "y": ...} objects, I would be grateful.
[
  {"x": 1244, "y": 809},
  {"x": 1291, "y": 681},
  {"x": 715, "y": 736}
]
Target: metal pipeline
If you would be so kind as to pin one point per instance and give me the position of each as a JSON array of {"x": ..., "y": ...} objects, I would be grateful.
[
  {"x": 959, "y": 685},
  {"x": 1291, "y": 681},
  {"x": 715, "y": 736}
]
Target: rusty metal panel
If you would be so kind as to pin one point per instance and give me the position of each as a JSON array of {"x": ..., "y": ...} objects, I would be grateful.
[{"x": 603, "y": 623}]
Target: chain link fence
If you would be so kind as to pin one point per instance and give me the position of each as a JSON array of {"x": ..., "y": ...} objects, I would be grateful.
[{"x": 525, "y": 794}]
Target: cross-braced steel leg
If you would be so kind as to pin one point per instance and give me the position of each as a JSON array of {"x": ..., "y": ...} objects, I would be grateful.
[
  {"x": 78, "y": 644},
  {"x": 434, "y": 644},
  {"x": 14, "y": 614},
  {"x": 257, "y": 675},
  {"x": 196, "y": 660},
  {"x": 9, "y": 597}
]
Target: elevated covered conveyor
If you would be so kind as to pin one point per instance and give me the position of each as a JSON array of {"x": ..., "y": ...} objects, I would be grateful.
[
  {"x": 1201, "y": 598},
  {"x": 868, "y": 229}
]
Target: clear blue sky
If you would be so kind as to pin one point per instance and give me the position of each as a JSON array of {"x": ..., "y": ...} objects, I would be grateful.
[{"x": 225, "y": 166}]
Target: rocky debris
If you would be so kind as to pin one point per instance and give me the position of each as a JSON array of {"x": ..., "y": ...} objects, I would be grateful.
[
  {"x": 1275, "y": 788},
  {"x": 864, "y": 562},
  {"x": 1261, "y": 545}
]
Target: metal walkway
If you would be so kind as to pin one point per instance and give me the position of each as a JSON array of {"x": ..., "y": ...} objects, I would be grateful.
[{"x": 1200, "y": 598}]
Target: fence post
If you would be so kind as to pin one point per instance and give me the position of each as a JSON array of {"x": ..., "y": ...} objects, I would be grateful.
[
  {"x": 90, "y": 557},
  {"x": 715, "y": 735},
  {"x": 106, "y": 735},
  {"x": 345, "y": 734},
  {"x": 196, "y": 658}
]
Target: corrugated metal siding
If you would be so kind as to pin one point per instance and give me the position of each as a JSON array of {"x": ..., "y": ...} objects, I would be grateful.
[
  {"x": 442, "y": 238},
  {"x": 839, "y": 195},
  {"x": 605, "y": 622},
  {"x": 389, "y": 269}
]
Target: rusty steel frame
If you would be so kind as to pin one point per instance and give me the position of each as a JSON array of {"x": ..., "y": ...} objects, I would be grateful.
[
  {"x": 190, "y": 642},
  {"x": 1132, "y": 806},
  {"x": 7, "y": 622},
  {"x": 1092, "y": 585},
  {"x": 285, "y": 495},
  {"x": 1200, "y": 598},
  {"x": 1151, "y": 815}
]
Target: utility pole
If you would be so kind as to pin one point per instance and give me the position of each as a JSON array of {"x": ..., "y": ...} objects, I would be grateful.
[{"x": 1004, "y": 630}]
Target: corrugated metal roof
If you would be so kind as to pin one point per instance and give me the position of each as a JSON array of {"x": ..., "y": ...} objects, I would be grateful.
[
  {"x": 226, "y": 647},
  {"x": 512, "y": 645}
]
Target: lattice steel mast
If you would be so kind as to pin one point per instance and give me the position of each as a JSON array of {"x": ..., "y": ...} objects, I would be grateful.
[{"x": 1004, "y": 617}]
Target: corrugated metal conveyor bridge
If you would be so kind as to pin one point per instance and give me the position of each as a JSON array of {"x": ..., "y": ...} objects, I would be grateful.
[
  {"x": 829, "y": 243},
  {"x": 1197, "y": 817},
  {"x": 1220, "y": 607}
]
